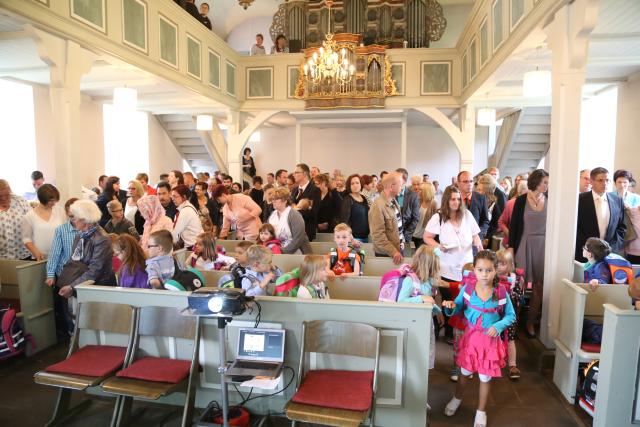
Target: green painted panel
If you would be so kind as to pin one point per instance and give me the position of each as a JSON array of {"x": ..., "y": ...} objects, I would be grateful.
[
  {"x": 465, "y": 70},
  {"x": 259, "y": 83},
  {"x": 517, "y": 10},
  {"x": 294, "y": 75},
  {"x": 135, "y": 23},
  {"x": 91, "y": 11},
  {"x": 193, "y": 57},
  {"x": 231, "y": 79},
  {"x": 168, "y": 42},
  {"x": 435, "y": 78},
  {"x": 396, "y": 74},
  {"x": 214, "y": 69},
  {"x": 497, "y": 24},
  {"x": 472, "y": 60},
  {"x": 484, "y": 43}
]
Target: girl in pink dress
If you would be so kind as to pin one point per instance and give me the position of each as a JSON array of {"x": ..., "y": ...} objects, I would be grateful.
[{"x": 488, "y": 312}]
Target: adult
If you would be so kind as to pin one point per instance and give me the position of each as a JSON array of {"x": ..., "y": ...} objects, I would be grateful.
[
  {"x": 428, "y": 207},
  {"x": 186, "y": 225},
  {"x": 385, "y": 220},
  {"x": 475, "y": 202},
  {"x": 315, "y": 171},
  {"x": 306, "y": 190},
  {"x": 257, "y": 192},
  {"x": 339, "y": 185},
  {"x": 585, "y": 181},
  {"x": 111, "y": 192},
  {"x": 135, "y": 191},
  {"x": 281, "y": 178},
  {"x": 143, "y": 179},
  {"x": 498, "y": 192},
  {"x": 487, "y": 186},
  {"x": 355, "y": 209},
  {"x": 164, "y": 196},
  {"x": 91, "y": 251},
  {"x": 622, "y": 179},
  {"x": 457, "y": 232},
  {"x": 37, "y": 179},
  {"x": 520, "y": 177},
  {"x": 288, "y": 224},
  {"x": 439, "y": 192},
  {"x": 505, "y": 185},
  {"x": 239, "y": 210},
  {"x": 410, "y": 206},
  {"x": 12, "y": 209},
  {"x": 118, "y": 224},
  {"x": 527, "y": 232},
  {"x": 102, "y": 181},
  {"x": 505, "y": 219},
  {"x": 40, "y": 223},
  {"x": 175, "y": 178},
  {"x": 267, "y": 206},
  {"x": 204, "y": 15},
  {"x": 258, "y": 48},
  {"x": 189, "y": 180},
  {"x": 416, "y": 181},
  {"x": 271, "y": 180},
  {"x": 600, "y": 215},
  {"x": 329, "y": 205},
  {"x": 291, "y": 183},
  {"x": 369, "y": 188},
  {"x": 155, "y": 218},
  {"x": 205, "y": 205},
  {"x": 280, "y": 46},
  {"x": 236, "y": 188},
  {"x": 192, "y": 9}
]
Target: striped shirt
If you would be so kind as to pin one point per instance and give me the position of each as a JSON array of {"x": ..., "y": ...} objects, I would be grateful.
[
  {"x": 60, "y": 248},
  {"x": 396, "y": 207}
]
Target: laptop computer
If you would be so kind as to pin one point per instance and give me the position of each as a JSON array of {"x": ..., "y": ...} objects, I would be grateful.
[{"x": 260, "y": 353}]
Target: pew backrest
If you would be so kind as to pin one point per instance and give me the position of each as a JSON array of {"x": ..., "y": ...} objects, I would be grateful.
[
  {"x": 617, "y": 295},
  {"x": 317, "y": 247}
]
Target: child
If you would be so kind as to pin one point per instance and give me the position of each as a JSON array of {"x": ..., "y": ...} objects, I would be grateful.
[
  {"x": 481, "y": 349},
  {"x": 205, "y": 255},
  {"x": 344, "y": 260},
  {"x": 596, "y": 270},
  {"x": 160, "y": 265},
  {"x": 420, "y": 286},
  {"x": 506, "y": 272},
  {"x": 313, "y": 273},
  {"x": 267, "y": 238},
  {"x": 260, "y": 272},
  {"x": 131, "y": 273}
]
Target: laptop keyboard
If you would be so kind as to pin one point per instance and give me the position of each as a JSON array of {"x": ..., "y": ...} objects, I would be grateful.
[{"x": 252, "y": 365}]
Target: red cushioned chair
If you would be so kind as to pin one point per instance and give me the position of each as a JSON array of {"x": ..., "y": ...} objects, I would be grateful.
[
  {"x": 149, "y": 377},
  {"x": 336, "y": 397},
  {"x": 88, "y": 366}
]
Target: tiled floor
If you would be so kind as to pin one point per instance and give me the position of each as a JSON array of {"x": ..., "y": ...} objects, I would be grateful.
[{"x": 531, "y": 402}]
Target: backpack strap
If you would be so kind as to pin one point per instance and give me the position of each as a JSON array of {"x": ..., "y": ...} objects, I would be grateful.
[{"x": 333, "y": 257}]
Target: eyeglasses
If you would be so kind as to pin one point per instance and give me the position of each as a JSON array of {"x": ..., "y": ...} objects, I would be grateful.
[
  {"x": 131, "y": 188},
  {"x": 117, "y": 210},
  {"x": 467, "y": 182}
]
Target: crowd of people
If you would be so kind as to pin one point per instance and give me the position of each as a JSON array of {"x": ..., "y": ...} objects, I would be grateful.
[{"x": 126, "y": 237}]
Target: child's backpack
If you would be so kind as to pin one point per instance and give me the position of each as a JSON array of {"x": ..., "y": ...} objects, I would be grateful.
[
  {"x": 184, "y": 280},
  {"x": 621, "y": 269},
  {"x": 13, "y": 340},
  {"x": 391, "y": 283},
  {"x": 234, "y": 278},
  {"x": 287, "y": 285},
  {"x": 587, "y": 399},
  {"x": 333, "y": 258}
]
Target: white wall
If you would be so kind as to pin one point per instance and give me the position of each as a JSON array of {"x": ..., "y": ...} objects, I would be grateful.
[
  {"x": 242, "y": 37},
  {"x": 163, "y": 156},
  {"x": 362, "y": 150},
  {"x": 628, "y": 126},
  {"x": 481, "y": 149},
  {"x": 598, "y": 130},
  {"x": 456, "y": 16}
]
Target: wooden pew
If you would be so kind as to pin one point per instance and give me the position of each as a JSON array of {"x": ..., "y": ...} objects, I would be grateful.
[
  {"x": 576, "y": 303},
  {"x": 319, "y": 248},
  {"x": 23, "y": 281},
  {"x": 578, "y": 271},
  {"x": 324, "y": 237},
  {"x": 372, "y": 267},
  {"x": 617, "y": 401}
]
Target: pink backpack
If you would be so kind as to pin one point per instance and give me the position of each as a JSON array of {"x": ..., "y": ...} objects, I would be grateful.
[{"x": 391, "y": 283}]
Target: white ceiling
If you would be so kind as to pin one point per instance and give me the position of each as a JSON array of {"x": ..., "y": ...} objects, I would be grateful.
[{"x": 614, "y": 55}]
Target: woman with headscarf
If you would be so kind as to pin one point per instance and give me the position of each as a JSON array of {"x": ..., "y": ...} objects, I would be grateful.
[{"x": 155, "y": 218}]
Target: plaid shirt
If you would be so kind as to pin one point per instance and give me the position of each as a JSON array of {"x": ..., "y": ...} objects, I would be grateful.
[{"x": 60, "y": 248}]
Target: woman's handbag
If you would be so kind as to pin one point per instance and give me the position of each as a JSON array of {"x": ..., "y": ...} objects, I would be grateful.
[
  {"x": 70, "y": 272},
  {"x": 631, "y": 234}
]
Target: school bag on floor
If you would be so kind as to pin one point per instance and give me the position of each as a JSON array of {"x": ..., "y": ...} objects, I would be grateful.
[
  {"x": 353, "y": 252},
  {"x": 587, "y": 394},
  {"x": 13, "y": 340},
  {"x": 184, "y": 280},
  {"x": 391, "y": 283}
]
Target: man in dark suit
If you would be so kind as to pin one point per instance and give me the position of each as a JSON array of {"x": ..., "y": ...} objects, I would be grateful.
[
  {"x": 192, "y": 9},
  {"x": 600, "y": 214},
  {"x": 409, "y": 207},
  {"x": 305, "y": 189},
  {"x": 501, "y": 197},
  {"x": 476, "y": 203}
]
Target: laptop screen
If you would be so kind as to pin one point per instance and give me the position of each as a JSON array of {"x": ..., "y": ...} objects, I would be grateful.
[{"x": 261, "y": 344}]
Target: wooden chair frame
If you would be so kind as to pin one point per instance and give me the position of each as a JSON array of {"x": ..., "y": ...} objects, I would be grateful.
[
  {"x": 164, "y": 322},
  {"x": 95, "y": 316},
  {"x": 342, "y": 338}
]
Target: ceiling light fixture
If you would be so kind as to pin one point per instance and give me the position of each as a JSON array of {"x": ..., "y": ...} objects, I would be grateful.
[
  {"x": 245, "y": 3},
  {"x": 125, "y": 99},
  {"x": 204, "y": 122},
  {"x": 486, "y": 116},
  {"x": 536, "y": 84}
]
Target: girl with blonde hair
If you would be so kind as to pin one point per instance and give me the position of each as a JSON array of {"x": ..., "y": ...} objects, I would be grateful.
[{"x": 314, "y": 271}]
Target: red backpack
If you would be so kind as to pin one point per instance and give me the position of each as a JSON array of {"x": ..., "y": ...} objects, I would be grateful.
[{"x": 13, "y": 340}]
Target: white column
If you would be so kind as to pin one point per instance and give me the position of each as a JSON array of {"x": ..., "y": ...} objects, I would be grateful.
[
  {"x": 68, "y": 62},
  {"x": 234, "y": 146},
  {"x": 466, "y": 139},
  {"x": 403, "y": 141},
  {"x": 568, "y": 35},
  {"x": 298, "y": 142}
]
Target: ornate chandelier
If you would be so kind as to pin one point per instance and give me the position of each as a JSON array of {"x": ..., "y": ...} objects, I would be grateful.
[
  {"x": 329, "y": 65},
  {"x": 245, "y": 3}
]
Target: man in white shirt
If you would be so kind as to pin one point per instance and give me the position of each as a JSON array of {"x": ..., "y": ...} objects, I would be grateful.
[
  {"x": 281, "y": 178},
  {"x": 258, "y": 48},
  {"x": 600, "y": 215}
]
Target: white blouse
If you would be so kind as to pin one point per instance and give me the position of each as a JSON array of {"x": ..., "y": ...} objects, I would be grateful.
[
  {"x": 40, "y": 232},
  {"x": 281, "y": 224},
  {"x": 457, "y": 240},
  {"x": 130, "y": 211}
]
